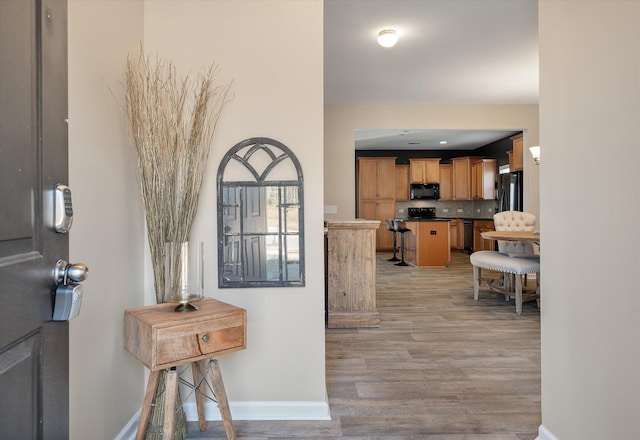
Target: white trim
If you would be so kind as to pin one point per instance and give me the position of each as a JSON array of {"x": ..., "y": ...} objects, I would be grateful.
[
  {"x": 130, "y": 429},
  {"x": 545, "y": 434},
  {"x": 245, "y": 411},
  {"x": 263, "y": 411}
]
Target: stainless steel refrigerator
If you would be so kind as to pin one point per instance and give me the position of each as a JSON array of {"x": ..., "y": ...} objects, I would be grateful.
[{"x": 510, "y": 191}]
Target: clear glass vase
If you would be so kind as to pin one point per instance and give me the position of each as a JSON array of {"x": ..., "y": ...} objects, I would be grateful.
[{"x": 184, "y": 274}]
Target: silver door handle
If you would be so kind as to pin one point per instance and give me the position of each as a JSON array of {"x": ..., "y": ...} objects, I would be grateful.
[{"x": 63, "y": 272}]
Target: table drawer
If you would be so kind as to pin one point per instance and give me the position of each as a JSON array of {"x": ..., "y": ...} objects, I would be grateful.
[
  {"x": 184, "y": 343},
  {"x": 162, "y": 338}
]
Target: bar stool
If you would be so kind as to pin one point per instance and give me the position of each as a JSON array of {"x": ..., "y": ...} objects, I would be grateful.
[
  {"x": 401, "y": 229},
  {"x": 391, "y": 228}
]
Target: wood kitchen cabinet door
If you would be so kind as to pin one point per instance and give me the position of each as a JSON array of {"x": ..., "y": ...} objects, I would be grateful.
[
  {"x": 456, "y": 233},
  {"x": 479, "y": 243},
  {"x": 424, "y": 170},
  {"x": 376, "y": 195},
  {"x": 446, "y": 181},
  {"x": 432, "y": 244},
  {"x": 376, "y": 178},
  {"x": 379, "y": 210},
  {"x": 515, "y": 158},
  {"x": 402, "y": 183},
  {"x": 453, "y": 234},
  {"x": 462, "y": 177},
  {"x": 483, "y": 179}
]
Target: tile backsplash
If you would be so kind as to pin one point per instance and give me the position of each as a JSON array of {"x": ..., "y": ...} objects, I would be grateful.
[{"x": 482, "y": 209}]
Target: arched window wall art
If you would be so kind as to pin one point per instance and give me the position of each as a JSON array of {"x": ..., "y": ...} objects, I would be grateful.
[{"x": 260, "y": 216}]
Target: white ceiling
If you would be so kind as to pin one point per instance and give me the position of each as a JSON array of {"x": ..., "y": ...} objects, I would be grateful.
[
  {"x": 385, "y": 139},
  {"x": 449, "y": 52}
]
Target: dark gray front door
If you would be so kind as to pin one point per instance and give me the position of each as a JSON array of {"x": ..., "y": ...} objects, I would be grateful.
[{"x": 34, "y": 352}]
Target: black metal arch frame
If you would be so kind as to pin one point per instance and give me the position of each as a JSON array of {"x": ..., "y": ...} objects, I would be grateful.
[{"x": 261, "y": 179}]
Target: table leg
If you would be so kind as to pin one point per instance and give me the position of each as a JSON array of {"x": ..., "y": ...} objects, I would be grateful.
[
  {"x": 197, "y": 368},
  {"x": 146, "y": 405},
  {"x": 518, "y": 294},
  {"x": 221, "y": 397},
  {"x": 171, "y": 391}
]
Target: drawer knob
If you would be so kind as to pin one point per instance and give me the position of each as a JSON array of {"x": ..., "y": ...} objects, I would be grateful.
[{"x": 205, "y": 338}]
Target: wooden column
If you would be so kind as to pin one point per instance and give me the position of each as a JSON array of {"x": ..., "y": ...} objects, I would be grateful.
[{"x": 351, "y": 274}]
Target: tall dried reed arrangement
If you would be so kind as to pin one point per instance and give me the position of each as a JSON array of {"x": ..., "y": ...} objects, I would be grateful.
[{"x": 173, "y": 121}]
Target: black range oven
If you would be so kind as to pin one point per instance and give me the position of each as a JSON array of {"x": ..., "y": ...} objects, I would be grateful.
[{"x": 420, "y": 213}]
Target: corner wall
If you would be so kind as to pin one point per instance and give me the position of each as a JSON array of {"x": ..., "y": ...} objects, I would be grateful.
[
  {"x": 590, "y": 199},
  {"x": 106, "y": 383},
  {"x": 273, "y": 52},
  {"x": 341, "y": 121},
  {"x": 277, "y": 93}
]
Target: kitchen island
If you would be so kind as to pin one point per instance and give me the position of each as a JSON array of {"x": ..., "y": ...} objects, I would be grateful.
[
  {"x": 427, "y": 245},
  {"x": 351, "y": 273}
]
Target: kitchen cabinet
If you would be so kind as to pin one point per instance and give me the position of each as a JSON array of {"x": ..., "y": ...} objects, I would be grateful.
[
  {"x": 402, "y": 183},
  {"x": 483, "y": 179},
  {"x": 424, "y": 170},
  {"x": 479, "y": 243},
  {"x": 446, "y": 181},
  {"x": 427, "y": 245},
  {"x": 376, "y": 195},
  {"x": 515, "y": 158},
  {"x": 380, "y": 209},
  {"x": 456, "y": 234},
  {"x": 462, "y": 177},
  {"x": 376, "y": 178}
]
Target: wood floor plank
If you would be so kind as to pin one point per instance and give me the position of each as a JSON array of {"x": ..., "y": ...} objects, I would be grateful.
[{"x": 440, "y": 367}]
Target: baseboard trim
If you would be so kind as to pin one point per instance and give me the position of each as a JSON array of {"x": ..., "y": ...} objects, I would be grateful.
[
  {"x": 244, "y": 411},
  {"x": 263, "y": 411},
  {"x": 545, "y": 434},
  {"x": 130, "y": 429}
]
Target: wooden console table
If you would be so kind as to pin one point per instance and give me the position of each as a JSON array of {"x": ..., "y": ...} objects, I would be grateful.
[{"x": 163, "y": 339}]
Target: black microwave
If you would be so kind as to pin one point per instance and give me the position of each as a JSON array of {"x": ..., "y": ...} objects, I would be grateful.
[{"x": 425, "y": 191}]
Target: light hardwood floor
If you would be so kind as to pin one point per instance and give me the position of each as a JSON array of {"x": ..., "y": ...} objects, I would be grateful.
[{"x": 440, "y": 367}]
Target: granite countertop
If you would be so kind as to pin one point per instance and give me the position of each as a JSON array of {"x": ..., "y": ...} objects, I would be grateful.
[
  {"x": 435, "y": 219},
  {"x": 441, "y": 219}
]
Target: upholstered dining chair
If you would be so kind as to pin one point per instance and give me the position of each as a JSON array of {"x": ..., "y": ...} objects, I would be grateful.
[
  {"x": 515, "y": 221},
  {"x": 514, "y": 259}
]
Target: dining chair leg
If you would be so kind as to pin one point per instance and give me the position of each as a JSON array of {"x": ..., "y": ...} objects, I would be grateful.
[
  {"x": 518, "y": 294},
  {"x": 476, "y": 281},
  {"x": 538, "y": 289}
]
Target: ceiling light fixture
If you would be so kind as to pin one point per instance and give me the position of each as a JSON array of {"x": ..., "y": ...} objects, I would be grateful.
[
  {"x": 443, "y": 142},
  {"x": 535, "y": 152},
  {"x": 387, "y": 38}
]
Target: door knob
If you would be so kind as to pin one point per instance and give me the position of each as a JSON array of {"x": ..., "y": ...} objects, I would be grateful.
[{"x": 63, "y": 272}]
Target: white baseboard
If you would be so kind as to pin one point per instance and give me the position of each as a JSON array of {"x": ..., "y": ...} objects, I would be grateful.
[
  {"x": 245, "y": 411},
  {"x": 263, "y": 411},
  {"x": 130, "y": 429},
  {"x": 545, "y": 434}
]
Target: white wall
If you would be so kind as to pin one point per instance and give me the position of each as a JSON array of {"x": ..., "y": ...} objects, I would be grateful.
[
  {"x": 341, "y": 121},
  {"x": 277, "y": 93},
  {"x": 590, "y": 200},
  {"x": 106, "y": 384},
  {"x": 273, "y": 53}
]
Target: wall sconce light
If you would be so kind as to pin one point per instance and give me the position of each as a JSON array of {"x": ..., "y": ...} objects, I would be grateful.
[
  {"x": 535, "y": 152},
  {"x": 387, "y": 38}
]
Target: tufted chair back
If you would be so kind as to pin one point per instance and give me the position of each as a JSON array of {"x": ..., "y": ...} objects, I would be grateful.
[{"x": 514, "y": 221}]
